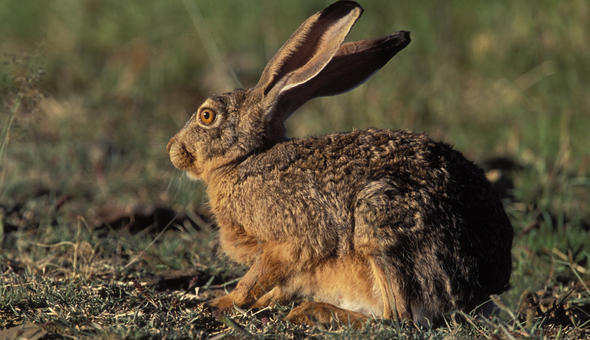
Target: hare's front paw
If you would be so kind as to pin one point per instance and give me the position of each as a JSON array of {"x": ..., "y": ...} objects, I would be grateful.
[{"x": 222, "y": 304}]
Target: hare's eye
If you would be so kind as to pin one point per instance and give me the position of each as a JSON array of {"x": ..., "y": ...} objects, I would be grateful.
[{"x": 207, "y": 116}]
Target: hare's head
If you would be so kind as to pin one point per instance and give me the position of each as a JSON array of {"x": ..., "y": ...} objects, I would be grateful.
[{"x": 313, "y": 62}]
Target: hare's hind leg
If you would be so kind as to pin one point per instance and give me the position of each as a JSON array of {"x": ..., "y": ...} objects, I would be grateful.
[
  {"x": 312, "y": 313},
  {"x": 343, "y": 289}
]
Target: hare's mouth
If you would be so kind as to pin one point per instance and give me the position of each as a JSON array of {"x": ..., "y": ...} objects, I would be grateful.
[{"x": 193, "y": 174}]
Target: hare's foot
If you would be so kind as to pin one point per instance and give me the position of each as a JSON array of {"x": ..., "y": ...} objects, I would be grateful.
[
  {"x": 227, "y": 302},
  {"x": 223, "y": 303},
  {"x": 239, "y": 297},
  {"x": 313, "y": 313}
]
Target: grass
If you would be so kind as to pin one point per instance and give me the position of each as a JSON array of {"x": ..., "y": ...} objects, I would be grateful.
[{"x": 91, "y": 92}]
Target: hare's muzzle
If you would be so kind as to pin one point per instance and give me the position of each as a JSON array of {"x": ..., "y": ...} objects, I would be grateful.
[{"x": 180, "y": 157}]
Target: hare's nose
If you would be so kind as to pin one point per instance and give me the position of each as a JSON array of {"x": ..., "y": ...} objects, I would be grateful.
[{"x": 170, "y": 143}]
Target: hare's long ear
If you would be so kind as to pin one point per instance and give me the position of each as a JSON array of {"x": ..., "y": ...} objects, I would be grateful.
[
  {"x": 354, "y": 63},
  {"x": 306, "y": 53}
]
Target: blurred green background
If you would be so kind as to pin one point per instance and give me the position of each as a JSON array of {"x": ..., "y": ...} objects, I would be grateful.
[{"x": 92, "y": 90}]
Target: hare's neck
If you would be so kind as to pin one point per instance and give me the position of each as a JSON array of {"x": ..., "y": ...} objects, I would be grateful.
[
  {"x": 221, "y": 187},
  {"x": 236, "y": 189}
]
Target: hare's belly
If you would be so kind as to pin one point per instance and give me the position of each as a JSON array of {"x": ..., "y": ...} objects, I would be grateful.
[{"x": 344, "y": 282}]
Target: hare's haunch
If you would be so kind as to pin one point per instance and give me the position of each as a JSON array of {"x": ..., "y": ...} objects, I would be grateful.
[{"x": 368, "y": 223}]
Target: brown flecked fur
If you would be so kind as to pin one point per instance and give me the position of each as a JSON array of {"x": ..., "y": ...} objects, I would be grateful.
[{"x": 368, "y": 223}]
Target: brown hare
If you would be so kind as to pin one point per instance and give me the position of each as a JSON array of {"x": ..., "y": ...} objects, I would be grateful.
[{"x": 381, "y": 223}]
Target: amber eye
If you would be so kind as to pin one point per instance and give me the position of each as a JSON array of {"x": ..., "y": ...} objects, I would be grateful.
[{"x": 207, "y": 116}]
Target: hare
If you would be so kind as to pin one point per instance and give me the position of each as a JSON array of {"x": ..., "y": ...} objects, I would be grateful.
[{"x": 368, "y": 223}]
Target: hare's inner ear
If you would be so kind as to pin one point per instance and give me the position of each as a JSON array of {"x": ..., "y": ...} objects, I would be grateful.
[
  {"x": 307, "y": 51},
  {"x": 354, "y": 63}
]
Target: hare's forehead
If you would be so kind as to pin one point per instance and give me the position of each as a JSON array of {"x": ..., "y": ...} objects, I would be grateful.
[
  {"x": 216, "y": 102},
  {"x": 229, "y": 102}
]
